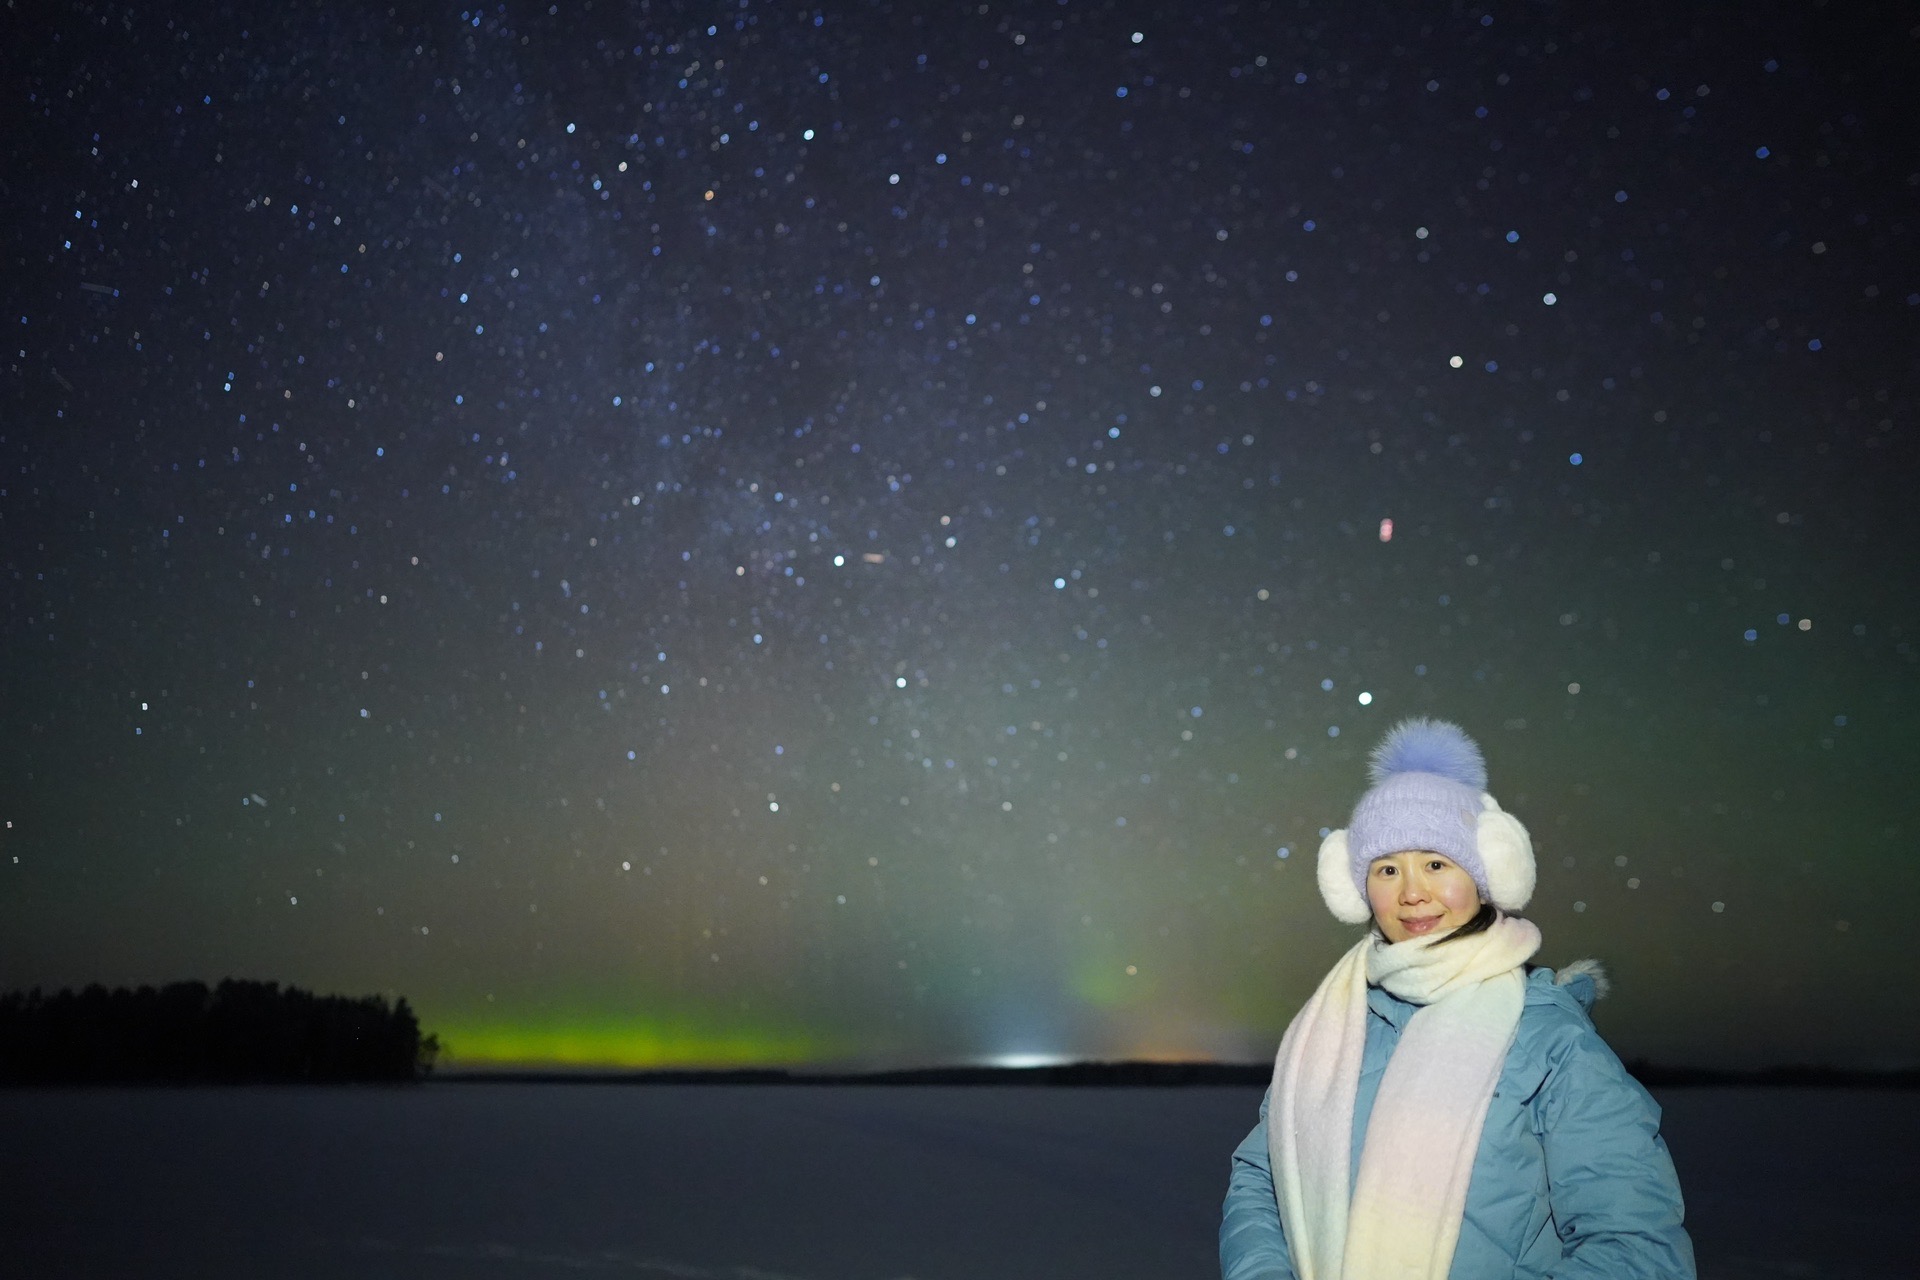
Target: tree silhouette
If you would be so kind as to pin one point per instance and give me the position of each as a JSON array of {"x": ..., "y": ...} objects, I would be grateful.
[{"x": 183, "y": 1032}]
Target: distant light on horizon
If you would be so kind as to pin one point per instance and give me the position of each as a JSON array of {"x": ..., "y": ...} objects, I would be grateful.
[{"x": 1029, "y": 1060}]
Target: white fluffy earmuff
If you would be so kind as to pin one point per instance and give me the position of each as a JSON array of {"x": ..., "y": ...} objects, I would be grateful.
[
  {"x": 1506, "y": 854},
  {"x": 1343, "y": 897}
]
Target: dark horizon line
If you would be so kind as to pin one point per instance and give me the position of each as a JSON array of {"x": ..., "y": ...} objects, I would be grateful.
[
  {"x": 248, "y": 1031},
  {"x": 1125, "y": 1073},
  {"x": 1134, "y": 1073}
]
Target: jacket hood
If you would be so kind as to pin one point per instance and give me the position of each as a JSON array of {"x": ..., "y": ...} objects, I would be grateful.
[{"x": 1576, "y": 987}]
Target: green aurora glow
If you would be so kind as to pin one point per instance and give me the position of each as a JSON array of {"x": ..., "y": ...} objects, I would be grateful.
[{"x": 618, "y": 1043}]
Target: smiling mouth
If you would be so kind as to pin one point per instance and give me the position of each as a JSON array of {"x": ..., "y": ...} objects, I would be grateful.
[{"x": 1423, "y": 925}]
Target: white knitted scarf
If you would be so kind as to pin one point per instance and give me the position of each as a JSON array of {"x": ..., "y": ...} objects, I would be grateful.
[{"x": 1402, "y": 1220}]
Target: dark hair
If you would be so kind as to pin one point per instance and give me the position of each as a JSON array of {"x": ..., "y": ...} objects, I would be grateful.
[{"x": 1482, "y": 921}]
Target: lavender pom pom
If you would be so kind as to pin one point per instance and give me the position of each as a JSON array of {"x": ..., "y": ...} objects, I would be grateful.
[{"x": 1429, "y": 746}]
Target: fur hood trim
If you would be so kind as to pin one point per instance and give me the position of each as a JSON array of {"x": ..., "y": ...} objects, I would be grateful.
[{"x": 1590, "y": 969}]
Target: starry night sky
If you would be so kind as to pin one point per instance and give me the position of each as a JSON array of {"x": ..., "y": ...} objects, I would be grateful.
[{"x": 747, "y": 533}]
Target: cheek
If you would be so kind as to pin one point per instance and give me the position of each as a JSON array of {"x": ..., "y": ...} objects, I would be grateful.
[{"x": 1462, "y": 895}]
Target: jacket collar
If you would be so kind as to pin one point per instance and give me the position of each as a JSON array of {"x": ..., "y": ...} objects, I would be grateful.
[{"x": 1389, "y": 1008}]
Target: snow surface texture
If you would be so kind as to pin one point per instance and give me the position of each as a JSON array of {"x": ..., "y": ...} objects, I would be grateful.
[{"x": 709, "y": 1182}]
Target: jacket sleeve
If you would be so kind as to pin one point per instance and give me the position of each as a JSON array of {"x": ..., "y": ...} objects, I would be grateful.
[
  {"x": 1611, "y": 1186},
  {"x": 1253, "y": 1246}
]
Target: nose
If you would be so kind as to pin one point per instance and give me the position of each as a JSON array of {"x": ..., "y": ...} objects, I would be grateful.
[{"x": 1413, "y": 887}]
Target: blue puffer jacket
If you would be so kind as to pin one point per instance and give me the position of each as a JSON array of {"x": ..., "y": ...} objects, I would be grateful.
[{"x": 1572, "y": 1180}]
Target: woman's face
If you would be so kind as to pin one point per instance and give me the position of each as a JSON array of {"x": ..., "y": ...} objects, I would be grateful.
[{"x": 1418, "y": 894}]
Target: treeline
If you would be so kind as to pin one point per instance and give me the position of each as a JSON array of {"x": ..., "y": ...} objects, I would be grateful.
[
  {"x": 1152, "y": 1075},
  {"x": 187, "y": 1032},
  {"x": 1072, "y": 1074}
]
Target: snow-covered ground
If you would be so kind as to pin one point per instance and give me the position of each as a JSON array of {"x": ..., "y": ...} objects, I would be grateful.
[{"x": 721, "y": 1182}]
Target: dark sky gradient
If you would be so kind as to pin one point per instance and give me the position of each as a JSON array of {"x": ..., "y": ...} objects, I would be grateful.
[{"x": 754, "y": 533}]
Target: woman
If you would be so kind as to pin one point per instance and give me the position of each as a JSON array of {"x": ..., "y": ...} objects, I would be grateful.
[{"x": 1438, "y": 1108}]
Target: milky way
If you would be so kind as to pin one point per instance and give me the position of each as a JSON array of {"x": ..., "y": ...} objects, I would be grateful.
[{"x": 747, "y": 533}]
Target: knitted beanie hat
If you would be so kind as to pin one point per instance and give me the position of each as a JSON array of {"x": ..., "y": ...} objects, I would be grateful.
[{"x": 1429, "y": 793}]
